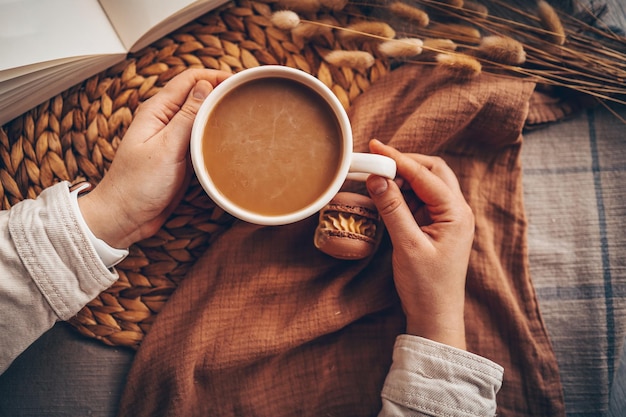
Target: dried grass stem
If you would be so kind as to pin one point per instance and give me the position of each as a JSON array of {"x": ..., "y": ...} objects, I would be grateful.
[{"x": 584, "y": 63}]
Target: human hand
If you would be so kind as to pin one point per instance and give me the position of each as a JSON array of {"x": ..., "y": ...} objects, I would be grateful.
[
  {"x": 431, "y": 229},
  {"x": 151, "y": 168}
]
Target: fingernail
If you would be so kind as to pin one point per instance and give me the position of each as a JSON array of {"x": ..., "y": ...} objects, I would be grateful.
[
  {"x": 202, "y": 89},
  {"x": 377, "y": 185}
]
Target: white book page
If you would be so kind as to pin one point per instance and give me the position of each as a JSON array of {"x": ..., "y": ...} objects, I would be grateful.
[
  {"x": 141, "y": 22},
  {"x": 29, "y": 90},
  {"x": 35, "y": 34}
]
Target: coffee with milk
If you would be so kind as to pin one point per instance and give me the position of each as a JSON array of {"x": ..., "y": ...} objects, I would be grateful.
[{"x": 272, "y": 146}]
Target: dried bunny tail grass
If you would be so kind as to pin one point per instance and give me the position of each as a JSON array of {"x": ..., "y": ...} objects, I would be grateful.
[
  {"x": 468, "y": 34},
  {"x": 301, "y": 6},
  {"x": 401, "y": 48},
  {"x": 285, "y": 19},
  {"x": 439, "y": 45},
  {"x": 551, "y": 22},
  {"x": 502, "y": 49},
  {"x": 308, "y": 30},
  {"x": 476, "y": 9},
  {"x": 359, "y": 60},
  {"x": 410, "y": 13},
  {"x": 459, "y": 66},
  {"x": 334, "y": 5},
  {"x": 378, "y": 30}
]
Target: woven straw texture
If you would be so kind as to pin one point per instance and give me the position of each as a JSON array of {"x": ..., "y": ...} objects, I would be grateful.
[{"x": 74, "y": 137}]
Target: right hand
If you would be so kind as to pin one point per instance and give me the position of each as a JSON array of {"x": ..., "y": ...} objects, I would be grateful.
[
  {"x": 148, "y": 175},
  {"x": 431, "y": 229}
]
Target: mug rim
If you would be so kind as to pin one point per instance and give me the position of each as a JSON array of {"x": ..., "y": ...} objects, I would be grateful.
[{"x": 256, "y": 73}]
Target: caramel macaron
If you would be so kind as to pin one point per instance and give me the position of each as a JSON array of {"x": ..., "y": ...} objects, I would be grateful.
[{"x": 348, "y": 227}]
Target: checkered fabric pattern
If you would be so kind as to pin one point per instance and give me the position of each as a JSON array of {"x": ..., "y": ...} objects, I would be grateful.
[{"x": 575, "y": 196}]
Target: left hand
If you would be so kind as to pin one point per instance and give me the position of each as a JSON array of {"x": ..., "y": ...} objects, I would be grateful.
[{"x": 151, "y": 169}]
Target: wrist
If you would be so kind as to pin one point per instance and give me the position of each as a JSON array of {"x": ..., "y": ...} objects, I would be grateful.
[
  {"x": 446, "y": 329},
  {"x": 110, "y": 256},
  {"x": 104, "y": 221}
]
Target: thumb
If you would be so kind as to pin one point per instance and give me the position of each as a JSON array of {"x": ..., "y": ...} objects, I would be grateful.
[
  {"x": 181, "y": 123},
  {"x": 393, "y": 210}
]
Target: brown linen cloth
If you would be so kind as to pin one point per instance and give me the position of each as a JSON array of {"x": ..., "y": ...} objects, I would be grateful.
[{"x": 266, "y": 325}]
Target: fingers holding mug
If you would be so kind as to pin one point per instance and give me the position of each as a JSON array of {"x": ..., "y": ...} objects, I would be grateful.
[{"x": 429, "y": 177}]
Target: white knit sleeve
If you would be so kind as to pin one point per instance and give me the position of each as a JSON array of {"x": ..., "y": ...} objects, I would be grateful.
[{"x": 49, "y": 269}]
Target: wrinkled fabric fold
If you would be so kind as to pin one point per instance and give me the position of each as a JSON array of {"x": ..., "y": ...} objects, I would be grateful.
[{"x": 267, "y": 325}]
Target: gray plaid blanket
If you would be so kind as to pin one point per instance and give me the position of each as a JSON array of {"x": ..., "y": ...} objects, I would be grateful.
[{"x": 575, "y": 196}]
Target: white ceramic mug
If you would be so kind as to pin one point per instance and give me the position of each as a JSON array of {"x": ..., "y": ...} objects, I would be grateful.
[{"x": 352, "y": 165}]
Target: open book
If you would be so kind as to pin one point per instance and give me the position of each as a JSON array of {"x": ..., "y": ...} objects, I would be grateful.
[{"x": 47, "y": 46}]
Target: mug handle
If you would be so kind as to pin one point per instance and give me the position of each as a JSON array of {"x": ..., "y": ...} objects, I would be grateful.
[{"x": 364, "y": 164}]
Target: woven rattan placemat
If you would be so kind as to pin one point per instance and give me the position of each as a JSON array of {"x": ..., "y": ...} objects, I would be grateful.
[{"x": 74, "y": 136}]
